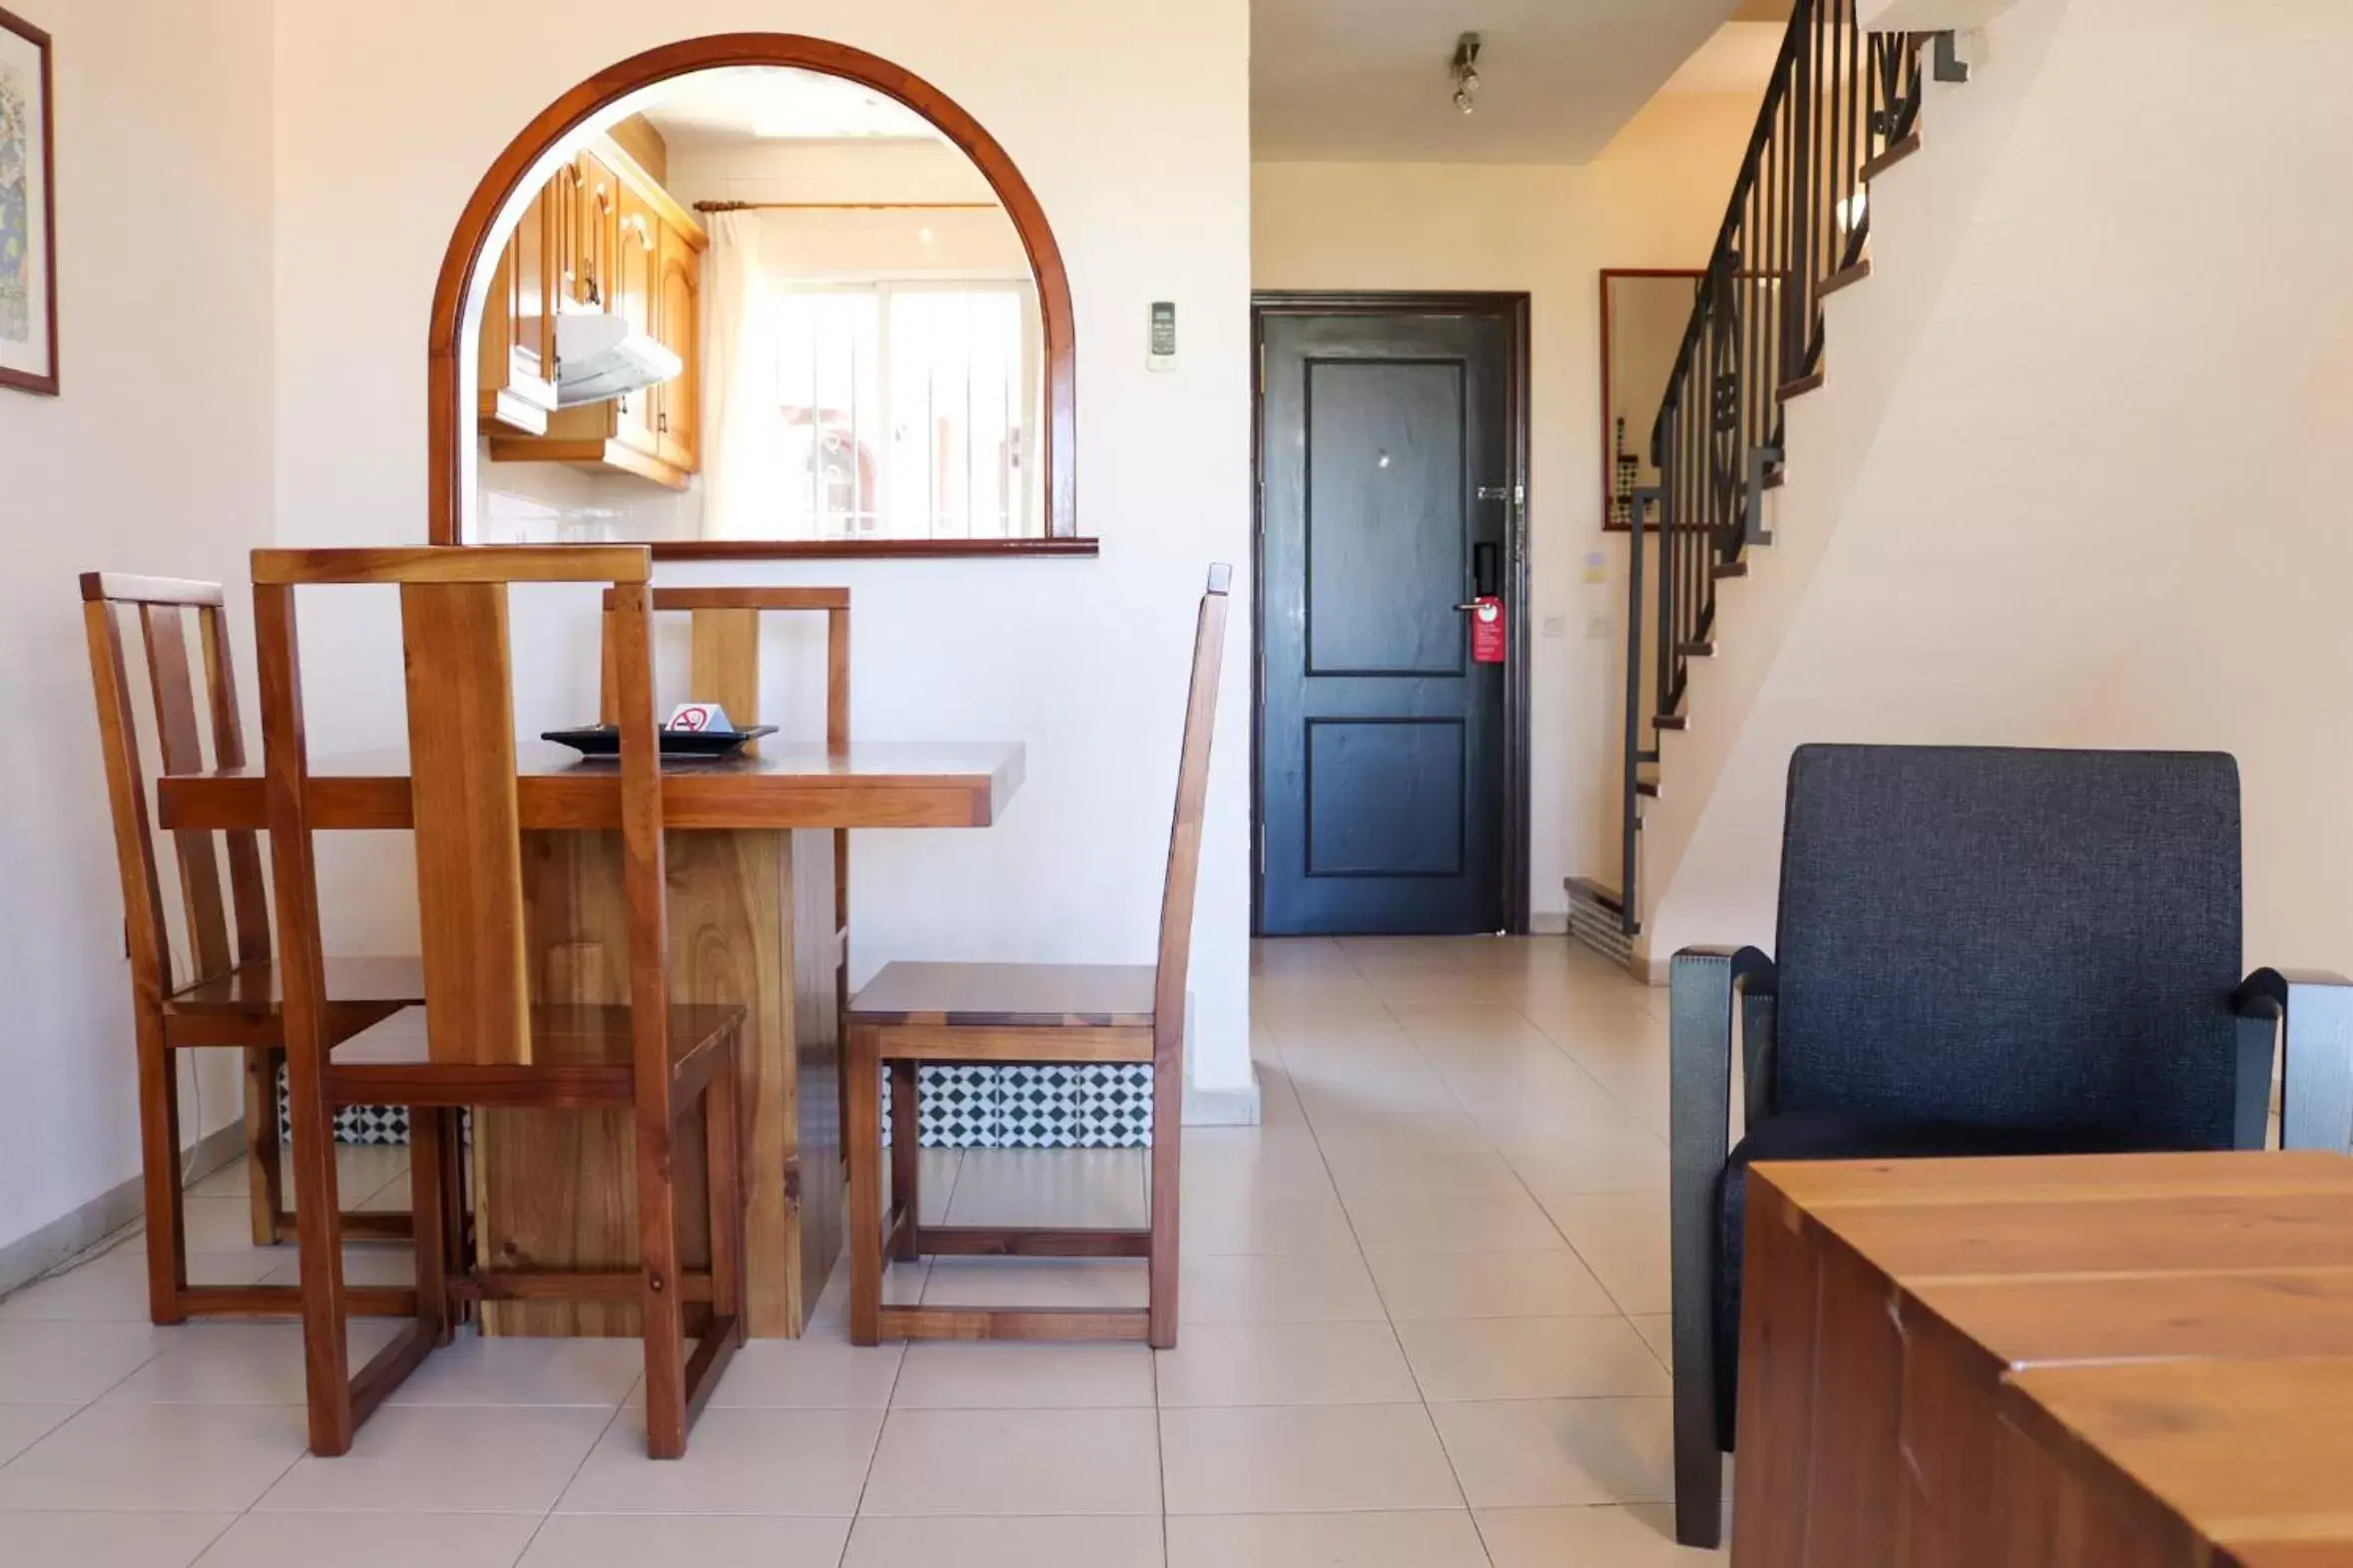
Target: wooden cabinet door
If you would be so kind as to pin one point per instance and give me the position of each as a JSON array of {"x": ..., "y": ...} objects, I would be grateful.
[
  {"x": 516, "y": 366},
  {"x": 600, "y": 220},
  {"x": 565, "y": 231},
  {"x": 636, "y": 277},
  {"x": 678, "y": 322}
]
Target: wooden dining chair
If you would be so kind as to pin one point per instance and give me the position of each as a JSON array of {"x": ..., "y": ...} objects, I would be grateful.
[
  {"x": 723, "y": 668},
  {"x": 479, "y": 1040},
  {"x": 913, "y": 1015},
  {"x": 227, "y": 995}
]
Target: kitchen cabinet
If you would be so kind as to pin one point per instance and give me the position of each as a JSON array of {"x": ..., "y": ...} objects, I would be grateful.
[
  {"x": 518, "y": 353},
  {"x": 678, "y": 326},
  {"x": 609, "y": 239}
]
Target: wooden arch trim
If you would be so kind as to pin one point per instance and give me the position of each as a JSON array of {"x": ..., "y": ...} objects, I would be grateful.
[{"x": 449, "y": 426}]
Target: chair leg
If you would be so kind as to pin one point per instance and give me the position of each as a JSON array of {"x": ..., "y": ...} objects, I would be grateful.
[
  {"x": 664, "y": 1311},
  {"x": 455, "y": 1207},
  {"x": 428, "y": 1196},
  {"x": 318, "y": 1217},
  {"x": 1168, "y": 1115},
  {"x": 723, "y": 1150},
  {"x": 158, "y": 1137},
  {"x": 907, "y": 1155},
  {"x": 263, "y": 1181},
  {"x": 862, "y": 1139}
]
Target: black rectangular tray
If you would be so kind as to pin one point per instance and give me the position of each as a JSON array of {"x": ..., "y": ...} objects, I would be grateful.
[{"x": 604, "y": 740}]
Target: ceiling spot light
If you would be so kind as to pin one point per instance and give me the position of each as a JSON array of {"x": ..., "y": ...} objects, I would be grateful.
[{"x": 1465, "y": 72}]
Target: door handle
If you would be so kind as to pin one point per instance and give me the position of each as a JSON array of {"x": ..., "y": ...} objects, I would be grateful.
[{"x": 1472, "y": 605}]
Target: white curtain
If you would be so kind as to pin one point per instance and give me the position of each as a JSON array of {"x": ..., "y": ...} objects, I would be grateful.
[{"x": 742, "y": 475}]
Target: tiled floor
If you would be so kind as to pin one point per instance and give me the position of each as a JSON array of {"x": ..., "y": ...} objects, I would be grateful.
[{"x": 1423, "y": 1329}]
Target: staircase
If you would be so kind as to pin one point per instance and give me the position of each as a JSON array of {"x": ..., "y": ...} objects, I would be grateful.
[{"x": 1843, "y": 106}]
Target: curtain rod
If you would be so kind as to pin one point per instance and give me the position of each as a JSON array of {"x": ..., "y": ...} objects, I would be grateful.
[{"x": 922, "y": 207}]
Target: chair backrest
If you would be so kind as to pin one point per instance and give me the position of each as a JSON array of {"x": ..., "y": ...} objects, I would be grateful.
[
  {"x": 221, "y": 935},
  {"x": 724, "y": 661},
  {"x": 2026, "y": 938},
  {"x": 461, "y": 759},
  {"x": 1192, "y": 795}
]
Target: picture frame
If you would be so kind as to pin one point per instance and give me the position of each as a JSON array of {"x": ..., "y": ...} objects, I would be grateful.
[{"x": 27, "y": 210}]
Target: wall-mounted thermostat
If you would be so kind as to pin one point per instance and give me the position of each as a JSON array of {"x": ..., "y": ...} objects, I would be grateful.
[{"x": 1160, "y": 353}]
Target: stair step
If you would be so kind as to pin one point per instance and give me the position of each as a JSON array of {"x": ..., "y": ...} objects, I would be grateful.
[
  {"x": 1646, "y": 787},
  {"x": 1724, "y": 569},
  {"x": 1896, "y": 151},
  {"x": 1845, "y": 278},
  {"x": 1696, "y": 649},
  {"x": 1801, "y": 386},
  {"x": 1776, "y": 476},
  {"x": 1596, "y": 892},
  {"x": 1671, "y": 721}
]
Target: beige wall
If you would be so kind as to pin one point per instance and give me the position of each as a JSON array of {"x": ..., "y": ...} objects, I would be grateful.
[
  {"x": 1133, "y": 128},
  {"x": 155, "y": 459},
  {"x": 1654, "y": 199},
  {"x": 2083, "y": 441}
]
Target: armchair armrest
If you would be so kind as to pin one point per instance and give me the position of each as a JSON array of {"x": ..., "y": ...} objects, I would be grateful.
[
  {"x": 1704, "y": 985},
  {"x": 2313, "y": 1010}
]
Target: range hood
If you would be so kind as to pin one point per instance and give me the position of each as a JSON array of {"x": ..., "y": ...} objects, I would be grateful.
[{"x": 599, "y": 356}]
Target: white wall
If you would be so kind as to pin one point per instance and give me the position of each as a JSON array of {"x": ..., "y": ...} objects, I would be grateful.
[
  {"x": 1656, "y": 198},
  {"x": 1134, "y": 129},
  {"x": 155, "y": 459},
  {"x": 2090, "y": 413}
]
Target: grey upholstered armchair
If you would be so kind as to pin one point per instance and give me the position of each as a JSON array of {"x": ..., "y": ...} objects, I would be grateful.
[{"x": 1981, "y": 951}]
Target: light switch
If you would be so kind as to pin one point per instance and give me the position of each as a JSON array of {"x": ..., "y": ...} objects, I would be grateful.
[
  {"x": 1599, "y": 628},
  {"x": 1556, "y": 626}
]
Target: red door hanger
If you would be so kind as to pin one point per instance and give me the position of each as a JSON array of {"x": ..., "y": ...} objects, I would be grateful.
[{"x": 1486, "y": 629}]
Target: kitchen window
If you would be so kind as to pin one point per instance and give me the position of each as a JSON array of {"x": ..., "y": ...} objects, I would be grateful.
[{"x": 909, "y": 409}]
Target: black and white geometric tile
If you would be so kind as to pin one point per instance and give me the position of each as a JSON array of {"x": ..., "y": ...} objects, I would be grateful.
[{"x": 1090, "y": 1107}]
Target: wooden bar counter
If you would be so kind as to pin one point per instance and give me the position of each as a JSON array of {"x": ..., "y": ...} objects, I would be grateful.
[
  {"x": 2108, "y": 1361},
  {"x": 751, "y": 862}
]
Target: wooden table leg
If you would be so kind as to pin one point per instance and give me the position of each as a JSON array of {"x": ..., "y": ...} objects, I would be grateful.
[{"x": 751, "y": 923}]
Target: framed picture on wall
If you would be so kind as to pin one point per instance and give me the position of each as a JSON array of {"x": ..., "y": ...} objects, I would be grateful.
[{"x": 28, "y": 211}]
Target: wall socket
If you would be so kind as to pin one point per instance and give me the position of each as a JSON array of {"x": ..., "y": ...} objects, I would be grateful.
[
  {"x": 1600, "y": 629},
  {"x": 1556, "y": 626}
]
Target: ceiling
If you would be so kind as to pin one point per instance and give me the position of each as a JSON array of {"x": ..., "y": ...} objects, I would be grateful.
[
  {"x": 1368, "y": 79},
  {"x": 778, "y": 103}
]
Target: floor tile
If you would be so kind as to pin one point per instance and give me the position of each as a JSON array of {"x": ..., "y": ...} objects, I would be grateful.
[
  {"x": 1658, "y": 1332},
  {"x": 1003, "y": 1377},
  {"x": 1422, "y": 1219},
  {"x": 1530, "y": 1358},
  {"x": 157, "y": 1458},
  {"x": 1348, "y": 1540},
  {"x": 72, "y": 1363},
  {"x": 483, "y": 1461},
  {"x": 1304, "y": 1459},
  {"x": 404, "y": 1540},
  {"x": 737, "y": 1461},
  {"x": 1623, "y": 1239},
  {"x": 364, "y": 1262},
  {"x": 814, "y": 1372},
  {"x": 1541, "y": 1453},
  {"x": 1308, "y": 1288},
  {"x": 1066, "y": 1542},
  {"x": 1082, "y": 1189},
  {"x": 1265, "y": 1226},
  {"x": 1036, "y": 1282},
  {"x": 1285, "y": 1364},
  {"x": 950, "y": 1463},
  {"x": 110, "y": 1540},
  {"x": 1487, "y": 1284},
  {"x": 239, "y": 1364},
  {"x": 668, "y": 1541},
  {"x": 597, "y": 1373},
  {"x": 1643, "y": 1537},
  {"x": 112, "y": 1288},
  {"x": 22, "y": 1425}
]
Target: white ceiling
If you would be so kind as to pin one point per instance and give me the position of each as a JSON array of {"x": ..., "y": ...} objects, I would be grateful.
[
  {"x": 778, "y": 103},
  {"x": 1369, "y": 80}
]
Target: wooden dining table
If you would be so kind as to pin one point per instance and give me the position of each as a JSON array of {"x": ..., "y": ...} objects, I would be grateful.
[
  {"x": 750, "y": 851},
  {"x": 2100, "y": 1361}
]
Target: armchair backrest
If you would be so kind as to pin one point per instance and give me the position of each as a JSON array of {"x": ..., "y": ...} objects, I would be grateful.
[{"x": 2024, "y": 938}]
